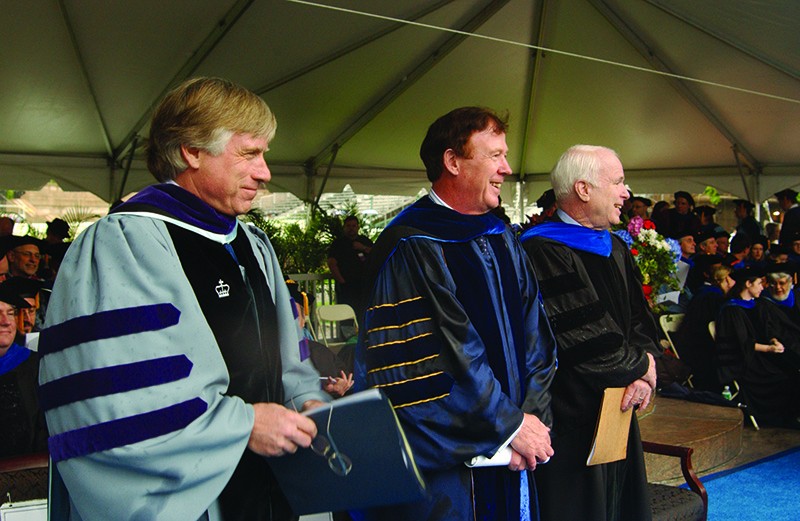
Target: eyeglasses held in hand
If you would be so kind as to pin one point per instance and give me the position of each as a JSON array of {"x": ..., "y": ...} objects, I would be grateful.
[{"x": 325, "y": 446}]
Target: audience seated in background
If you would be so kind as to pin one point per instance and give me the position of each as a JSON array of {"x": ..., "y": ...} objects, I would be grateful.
[
  {"x": 639, "y": 206},
  {"x": 793, "y": 247},
  {"x": 747, "y": 223},
  {"x": 723, "y": 242},
  {"x": 700, "y": 272},
  {"x": 680, "y": 218},
  {"x": 22, "y": 426},
  {"x": 30, "y": 290},
  {"x": 337, "y": 367},
  {"x": 660, "y": 217},
  {"x": 706, "y": 215},
  {"x": 778, "y": 254},
  {"x": 547, "y": 202},
  {"x": 705, "y": 243},
  {"x": 24, "y": 256},
  {"x": 758, "y": 253},
  {"x": 6, "y": 226},
  {"x": 693, "y": 340},
  {"x": 759, "y": 348},
  {"x": 739, "y": 250},
  {"x": 772, "y": 231},
  {"x": 790, "y": 224},
  {"x": 782, "y": 290}
]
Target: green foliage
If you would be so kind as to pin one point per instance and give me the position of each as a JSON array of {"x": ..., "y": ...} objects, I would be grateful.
[
  {"x": 304, "y": 249},
  {"x": 77, "y": 216},
  {"x": 713, "y": 195},
  {"x": 299, "y": 250}
]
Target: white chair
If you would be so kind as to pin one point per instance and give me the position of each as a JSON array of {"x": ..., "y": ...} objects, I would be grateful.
[
  {"x": 669, "y": 324},
  {"x": 712, "y": 329},
  {"x": 328, "y": 319}
]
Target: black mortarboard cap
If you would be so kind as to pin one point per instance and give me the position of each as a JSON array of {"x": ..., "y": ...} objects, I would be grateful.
[
  {"x": 8, "y": 296},
  {"x": 744, "y": 202},
  {"x": 750, "y": 272},
  {"x": 705, "y": 210},
  {"x": 547, "y": 199}
]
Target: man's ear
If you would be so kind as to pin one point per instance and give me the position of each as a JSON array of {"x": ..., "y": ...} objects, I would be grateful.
[
  {"x": 450, "y": 160},
  {"x": 191, "y": 155},
  {"x": 582, "y": 189}
]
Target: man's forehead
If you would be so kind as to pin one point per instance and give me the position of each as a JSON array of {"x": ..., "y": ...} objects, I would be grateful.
[
  {"x": 27, "y": 247},
  {"x": 488, "y": 135}
]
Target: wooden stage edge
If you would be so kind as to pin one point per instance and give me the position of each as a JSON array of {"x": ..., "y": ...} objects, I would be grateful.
[{"x": 715, "y": 434}]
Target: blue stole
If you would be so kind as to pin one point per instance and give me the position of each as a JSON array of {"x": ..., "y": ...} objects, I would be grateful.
[
  {"x": 788, "y": 302},
  {"x": 574, "y": 236},
  {"x": 438, "y": 222},
  {"x": 15, "y": 355},
  {"x": 173, "y": 200},
  {"x": 746, "y": 304}
]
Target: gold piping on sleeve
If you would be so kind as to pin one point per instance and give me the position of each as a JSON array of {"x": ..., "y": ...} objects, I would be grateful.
[
  {"x": 421, "y": 401},
  {"x": 394, "y": 342},
  {"x": 412, "y": 362},
  {"x": 393, "y": 304},
  {"x": 410, "y": 379},
  {"x": 399, "y": 326}
]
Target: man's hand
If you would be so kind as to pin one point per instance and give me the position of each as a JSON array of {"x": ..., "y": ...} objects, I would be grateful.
[
  {"x": 531, "y": 444},
  {"x": 650, "y": 375},
  {"x": 637, "y": 393},
  {"x": 338, "y": 386},
  {"x": 278, "y": 430},
  {"x": 776, "y": 346}
]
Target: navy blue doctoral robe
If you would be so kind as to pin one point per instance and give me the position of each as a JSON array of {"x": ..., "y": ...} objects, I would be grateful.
[{"x": 456, "y": 336}]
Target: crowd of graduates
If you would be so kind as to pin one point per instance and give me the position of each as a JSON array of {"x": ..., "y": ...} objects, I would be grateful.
[
  {"x": 742, "y": 283},
  {"x": 27, "y": 270}
]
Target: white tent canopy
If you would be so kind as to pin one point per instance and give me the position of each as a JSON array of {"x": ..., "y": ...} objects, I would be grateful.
[{"x": 354, "y": 90}]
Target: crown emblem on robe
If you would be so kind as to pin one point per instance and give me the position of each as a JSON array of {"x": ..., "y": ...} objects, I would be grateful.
[{"x": 223, "y": 290}]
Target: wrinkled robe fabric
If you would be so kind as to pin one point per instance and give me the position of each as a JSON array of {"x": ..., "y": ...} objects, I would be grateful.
[
  {"x": 457, "y": 339},
  {"x": 142, "y": 421},
  {"x": 604, "y": 330}
]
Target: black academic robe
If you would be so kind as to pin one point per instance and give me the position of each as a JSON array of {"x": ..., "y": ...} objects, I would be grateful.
[
  {"x": 603, "y": 331},
  {"x": 22, "y": 426},
  {"x": 769, "y": 382},
  {"x": 693, "y": 339}
]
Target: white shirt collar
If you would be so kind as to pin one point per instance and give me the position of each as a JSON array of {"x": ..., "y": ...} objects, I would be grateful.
[{"x": 438, "y": 200}]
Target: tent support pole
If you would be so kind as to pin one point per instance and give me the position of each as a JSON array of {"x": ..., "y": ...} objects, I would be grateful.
[
  {"x": 121, "y": 191},
  {"x": 334, "y": 152},
  {"x": 741, "y": 173}
]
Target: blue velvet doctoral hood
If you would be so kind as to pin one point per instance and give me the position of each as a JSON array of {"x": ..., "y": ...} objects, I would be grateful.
[
  {"x": 441, "y": 223},
  {"x": 746, "y": 304},
  {"x": 573, "y": 235},
  {"x": 788, "y": 302},
  {"x": 15, "y": 355},
  {"x": 172, "y": 200}
]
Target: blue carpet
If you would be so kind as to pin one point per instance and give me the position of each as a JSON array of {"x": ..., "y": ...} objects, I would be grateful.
[{"x": 764, "y": 490}]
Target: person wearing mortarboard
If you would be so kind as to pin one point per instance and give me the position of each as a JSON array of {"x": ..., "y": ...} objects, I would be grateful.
[
  {"x": 759, "y": 348},
  {"x": 23, "y": 256},
  {"x": 680, "y": 218},
  {"x": 639, "y": 206},
  {"x": 747, "y": 223},
  {"x": 23, "y": 427},
  {"x": 787, "y": 200},
  {"x": 29, "y": 319},
  {"x": 706, "y": 215}
]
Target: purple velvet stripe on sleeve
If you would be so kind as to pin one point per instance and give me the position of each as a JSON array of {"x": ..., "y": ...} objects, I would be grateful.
[
  {"x": 107, "y": 324},
  {"x": 124, "y": 431},
  {"x": 113, "y": 379},
  {"x": 305, "y": 349}
]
